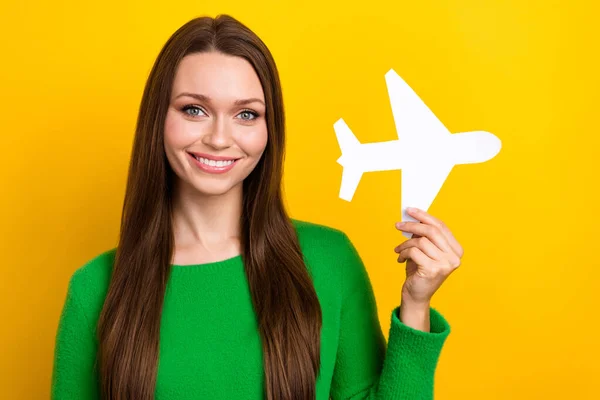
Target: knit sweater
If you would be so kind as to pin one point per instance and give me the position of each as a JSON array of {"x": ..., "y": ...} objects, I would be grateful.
[{"x": 209, "y": 343}]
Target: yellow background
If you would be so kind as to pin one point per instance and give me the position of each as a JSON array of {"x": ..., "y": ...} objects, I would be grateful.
[{"x": 523, "y": 304}]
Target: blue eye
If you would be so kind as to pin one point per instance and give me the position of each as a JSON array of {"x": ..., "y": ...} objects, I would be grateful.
[
  {"x": 197, "y": 111},
  {"x": 248, "y": 115}
]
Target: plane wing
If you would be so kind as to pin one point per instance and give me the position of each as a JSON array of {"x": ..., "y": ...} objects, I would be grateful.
[
  {"x": 414, "y": 120},
  {"x": 350, "y": 179},
  {"x": 420, "y": 186}
]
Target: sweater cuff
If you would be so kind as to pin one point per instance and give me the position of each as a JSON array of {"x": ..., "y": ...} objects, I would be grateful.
[
  {"x": 412, "y": 357},
  {"x": 439, "y": 327},
  {"x": 416, "y": 346},
  {"x": 419, "y": 343}
]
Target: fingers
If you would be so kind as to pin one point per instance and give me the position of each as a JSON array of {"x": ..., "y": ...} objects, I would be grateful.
[
  {"x": 433, "y": 233},
  {"x": 415, "y": 254},
  {"x": 429, "y": 219},
  {"x": 423, "y": 244}
]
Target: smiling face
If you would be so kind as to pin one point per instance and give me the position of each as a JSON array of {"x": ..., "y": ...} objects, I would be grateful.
[{"x": 215, "y": 128}]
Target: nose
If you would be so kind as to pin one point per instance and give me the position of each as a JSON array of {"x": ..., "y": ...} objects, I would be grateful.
[{"x": 218, "y": 135}]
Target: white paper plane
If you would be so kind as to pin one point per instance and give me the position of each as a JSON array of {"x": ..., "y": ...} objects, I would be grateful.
[{"x": 425, "y": 151}]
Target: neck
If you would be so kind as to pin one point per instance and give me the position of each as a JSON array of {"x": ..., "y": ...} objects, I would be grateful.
[{"x": 209, "y": 222}]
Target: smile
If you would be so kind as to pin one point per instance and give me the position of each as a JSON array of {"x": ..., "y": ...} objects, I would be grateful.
[{"x": 214, "y": 165}]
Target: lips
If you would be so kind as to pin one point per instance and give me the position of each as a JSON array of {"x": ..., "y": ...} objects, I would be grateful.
[
  {"x": 213, "y": 164},
  {"x": 211, "y": 157}
]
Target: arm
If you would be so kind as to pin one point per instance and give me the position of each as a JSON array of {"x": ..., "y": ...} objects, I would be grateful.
[
  {"x": 365, "y": 368},
  {"x": 417, "y": 316},
  {"x": 73, "y": 375}
]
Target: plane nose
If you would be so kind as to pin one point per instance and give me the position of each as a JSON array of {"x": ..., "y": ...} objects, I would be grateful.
[
  {"x": 493, "y": 144},
  {"x": 474, "y": 147}
]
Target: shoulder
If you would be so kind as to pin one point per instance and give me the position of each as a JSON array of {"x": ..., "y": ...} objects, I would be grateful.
[
  {"x": 95, "y": 271},
  {"x": 330, "y": 253},
  {"x": 89, "y": 283},
  {"x": 327, "y": 246},
  {"x": 313, "y": 236}
]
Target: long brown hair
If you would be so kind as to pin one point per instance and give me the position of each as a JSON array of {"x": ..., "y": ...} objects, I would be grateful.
[{"x": 283, "y": 294}]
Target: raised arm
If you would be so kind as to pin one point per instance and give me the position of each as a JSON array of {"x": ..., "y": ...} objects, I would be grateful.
[{"x": 367, "y": 368}]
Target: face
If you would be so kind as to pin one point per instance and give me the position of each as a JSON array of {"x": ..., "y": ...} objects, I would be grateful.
[{"x": 215, "y": 129}]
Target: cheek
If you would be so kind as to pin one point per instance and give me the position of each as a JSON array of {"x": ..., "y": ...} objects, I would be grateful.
[
  {"x": 254, "y": 143},
  {"x": 176, "y": 134}
]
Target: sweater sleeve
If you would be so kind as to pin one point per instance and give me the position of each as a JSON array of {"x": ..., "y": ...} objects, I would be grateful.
[
  {"x": 367, "y": 368},
  {"x": 73, "y": 374}
]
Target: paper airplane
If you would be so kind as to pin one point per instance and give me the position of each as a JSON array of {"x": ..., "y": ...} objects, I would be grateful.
[{"x": 425, "y": 151}]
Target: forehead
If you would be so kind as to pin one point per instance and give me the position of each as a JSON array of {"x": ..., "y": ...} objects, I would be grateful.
[{"x": 218, "y": 76}]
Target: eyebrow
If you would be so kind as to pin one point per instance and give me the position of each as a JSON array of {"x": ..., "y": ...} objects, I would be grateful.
[{"x": 202, "y": 97}]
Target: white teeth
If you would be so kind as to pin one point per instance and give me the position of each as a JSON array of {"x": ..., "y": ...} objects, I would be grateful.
[{"x": 213, "y": 163}]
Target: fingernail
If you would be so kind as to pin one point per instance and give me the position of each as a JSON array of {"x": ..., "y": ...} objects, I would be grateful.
[
  {"x": 400, "y": 224},
  {"x": 411, "y": 209}
]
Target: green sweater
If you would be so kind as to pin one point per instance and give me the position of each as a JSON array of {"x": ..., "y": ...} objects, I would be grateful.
[{"x": 209, "y": 342}]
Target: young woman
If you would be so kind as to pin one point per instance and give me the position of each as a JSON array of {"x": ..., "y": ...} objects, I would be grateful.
[{"x": 213, "y": 292}]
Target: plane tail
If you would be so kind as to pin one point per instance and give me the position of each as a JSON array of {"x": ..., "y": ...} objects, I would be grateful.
[{"x": 351, "y": 174}]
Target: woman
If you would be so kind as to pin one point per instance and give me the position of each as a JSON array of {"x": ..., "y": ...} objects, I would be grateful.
[{"x": 213, "y": 292}]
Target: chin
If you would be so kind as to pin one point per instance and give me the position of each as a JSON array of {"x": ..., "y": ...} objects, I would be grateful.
[{"x": 215, "y": 188}]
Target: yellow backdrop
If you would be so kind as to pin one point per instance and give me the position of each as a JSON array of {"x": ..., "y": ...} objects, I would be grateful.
[{"x": 523, "y": 304}]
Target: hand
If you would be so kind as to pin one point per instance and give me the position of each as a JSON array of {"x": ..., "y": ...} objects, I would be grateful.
[{"x": 431, "y": 255}]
